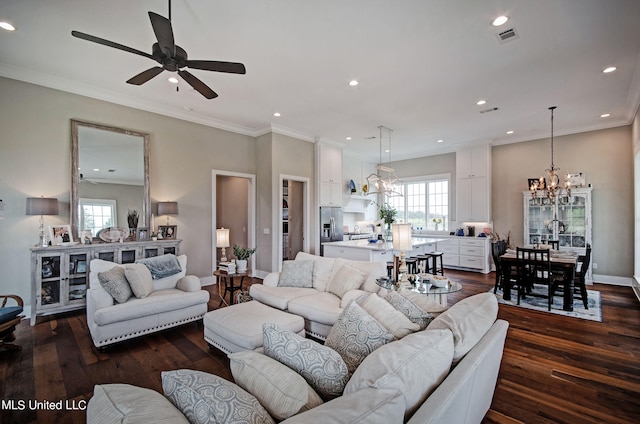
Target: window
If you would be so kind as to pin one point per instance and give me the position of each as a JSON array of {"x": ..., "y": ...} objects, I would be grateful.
[
  {"x": 425, "y": 203},
  {"x": 96, "y": 214}
]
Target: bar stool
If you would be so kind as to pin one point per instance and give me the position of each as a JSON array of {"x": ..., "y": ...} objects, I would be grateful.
[
  {"x": 437, "y": 268},
  {"x": 412, "y": 264},
  {"x": 424, "y": 259},
  {"x": 390, "y": 269}
]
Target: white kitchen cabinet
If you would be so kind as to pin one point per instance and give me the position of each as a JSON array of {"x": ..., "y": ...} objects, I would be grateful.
[
  {"x": 330, "y": 175},
  {"x": 469, "y": 253},
  {"x": 473, "y": 191}
]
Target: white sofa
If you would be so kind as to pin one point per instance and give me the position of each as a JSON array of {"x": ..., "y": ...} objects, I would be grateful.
[
  {"x": 175, "y": 300},
  {"x": 407, "y": 380},
  {"x": 319, "y": 308}
]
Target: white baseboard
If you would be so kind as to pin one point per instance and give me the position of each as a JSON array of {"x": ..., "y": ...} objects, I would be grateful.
[{"x": 612, "y": 279}]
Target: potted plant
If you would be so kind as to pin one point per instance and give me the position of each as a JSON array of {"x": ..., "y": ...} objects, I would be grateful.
[
  {"x": 154, "y": 236},
  {"x": 242, "y": 255},
  {"x": 388, "y": 214}
]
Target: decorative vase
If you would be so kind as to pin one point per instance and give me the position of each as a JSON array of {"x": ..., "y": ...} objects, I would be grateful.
[{"x": 241, "y": 265}]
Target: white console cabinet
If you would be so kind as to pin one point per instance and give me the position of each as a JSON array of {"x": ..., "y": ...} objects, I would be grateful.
[{"x": 467, "y": 253}]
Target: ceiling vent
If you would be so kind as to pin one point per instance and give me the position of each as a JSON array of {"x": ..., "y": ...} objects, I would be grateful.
[
  {"x": 492, "y": 109},
  {"x": 506, "y": 36}
]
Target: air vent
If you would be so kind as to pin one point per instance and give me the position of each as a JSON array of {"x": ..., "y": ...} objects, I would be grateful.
[
  {"x": 506, "y": 36},
  {"x": 493, "y": 109}
]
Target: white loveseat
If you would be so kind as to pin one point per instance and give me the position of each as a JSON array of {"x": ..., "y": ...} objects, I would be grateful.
[
  {"x": 319, "y": 307},
  {"x": 175, "y": 300}
]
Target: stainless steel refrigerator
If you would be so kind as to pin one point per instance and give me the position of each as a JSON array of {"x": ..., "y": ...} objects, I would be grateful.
[{"x": 330, "y": 225}]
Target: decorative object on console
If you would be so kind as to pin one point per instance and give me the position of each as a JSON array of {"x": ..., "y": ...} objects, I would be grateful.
[
  {"x": 42, "y": 206},
  {"x": 242, "y": 255},
  {"x": 167, "y": 232},
  {"x": 60, "y": 235},
  {"x": 132, "y": 219},
  {"x": 376, "y": 182},
  {"x": 553, "y": 190},
  {"x": 402, "y": 242},
  {"x": 222, "y": 241},
  {"x": 112, "y": 234}
]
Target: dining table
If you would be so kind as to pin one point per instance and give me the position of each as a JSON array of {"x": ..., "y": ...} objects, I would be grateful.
[{"x": 564, "y": 263}]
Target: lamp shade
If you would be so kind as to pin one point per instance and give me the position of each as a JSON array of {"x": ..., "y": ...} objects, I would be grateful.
[
  {"x": 222, "y": 237},
  {"x": 402, "y": 237},
  {"x": 42, "y": 206},
  {"x": 167, "y": 208}
]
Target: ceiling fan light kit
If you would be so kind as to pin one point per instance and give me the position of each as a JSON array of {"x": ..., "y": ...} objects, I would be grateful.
[{"x": 170, "y": 56}]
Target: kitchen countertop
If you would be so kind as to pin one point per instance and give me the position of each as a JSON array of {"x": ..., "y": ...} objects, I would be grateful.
[{"x": 382, "y": 246}]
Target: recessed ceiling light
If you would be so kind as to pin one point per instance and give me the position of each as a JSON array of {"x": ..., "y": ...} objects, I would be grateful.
[
  {"x": 348, "y": 138},
  {"x": 96, "y": 169},
  {"x": 173, "y": 80},
  {"x": 605, "y": 115},
  {"x": 481, "y": 102},
  {"x": 510, "y": 132},
  {"x": 500, "y": 20},
  {"x": 440, "y": 141},
  {"x": 387, "y": 150},
  {"x": 277, "y": 114},
  {"x": 353, "y": 83},
  {"x": 609, "y": 69},
  {"x": 7, "y": 26}
]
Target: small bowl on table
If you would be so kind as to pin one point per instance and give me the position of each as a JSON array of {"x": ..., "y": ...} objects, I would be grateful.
[{"x": 439, "y": 281}]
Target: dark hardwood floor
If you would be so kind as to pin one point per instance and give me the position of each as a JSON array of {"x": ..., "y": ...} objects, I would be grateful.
[{"x": 554, "y": 370}]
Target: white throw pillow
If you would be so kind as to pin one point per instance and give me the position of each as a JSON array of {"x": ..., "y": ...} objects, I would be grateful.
[
  {"x": 424, "y": 302},
  {"x": 322, "y": 367},
  {"x": 282, "y": 391},
  {"x": 139, "y": 278},
  {"x": 114, "y": 281},
  {"x": 206, "y": 398},
  {"x": 345, "y": 278},
  {"x": 398, "y": 324},
  {"x": 296, "y": 274},
  {"x": 355, "y": 335},
  {"x": 468, "y": 320},
  {"x": 414, "y": 366}
]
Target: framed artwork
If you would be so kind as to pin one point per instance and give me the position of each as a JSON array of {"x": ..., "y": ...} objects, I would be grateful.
[
  {"x": 531, "y": 181},
  {"x": 143, "y": 234},
  {"x": 576, "y": 180},
  {"x": 81, "y": 267},
  {"x": 167, "y": 232},
  {"x": 59, "y": 234}
]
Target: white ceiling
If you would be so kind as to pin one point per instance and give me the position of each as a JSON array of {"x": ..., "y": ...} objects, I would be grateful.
[{"x": 421, "y": 64}]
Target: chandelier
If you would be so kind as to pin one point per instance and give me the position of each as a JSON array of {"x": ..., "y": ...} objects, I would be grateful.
[
  {"x": 384, "y": 180},
  {"x": 550, "y": 192}
]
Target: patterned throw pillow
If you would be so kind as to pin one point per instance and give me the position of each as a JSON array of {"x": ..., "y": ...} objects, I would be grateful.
[
  {"x": 387, "y": 315},
  {"x": 355, "y": 335},
  {"x": 296, "y": 274},
  {"x": 208, "y": 399},
  {"x": 321, "y": 366},
  {"x": 282, "y": 391},
  {"x": 116, "y": 284},
  {"x": 409, "y": 309},
  {"x": 139, "y": 278},
  {"x": 345, "y": 278}
]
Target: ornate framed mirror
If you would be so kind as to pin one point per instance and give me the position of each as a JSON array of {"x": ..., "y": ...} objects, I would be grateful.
[{"x": 109, "y": 176}]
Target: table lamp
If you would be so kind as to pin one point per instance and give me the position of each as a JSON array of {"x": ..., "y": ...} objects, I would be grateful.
[
  {"x": 167, "y": 208},
  {"x": 402, "y": 242},
  {"x": 42, "y": 206},
  {"x": 222, "y": 241}
]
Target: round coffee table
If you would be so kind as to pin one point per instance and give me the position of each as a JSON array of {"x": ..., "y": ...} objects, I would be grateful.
[{"x": 439, "y": 294}]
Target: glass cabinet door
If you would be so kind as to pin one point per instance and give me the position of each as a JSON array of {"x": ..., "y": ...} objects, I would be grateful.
[
  {"x": 50, "y": 280},
  {"x": 572, "y": 225},
  {"x": 540, "y": 225},
  {"x": 77, "y": 287}
]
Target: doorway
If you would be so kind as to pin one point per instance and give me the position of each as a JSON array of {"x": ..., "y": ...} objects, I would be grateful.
[
  {"x": 293, "y": 227},
  {"x": 233, "y": 206}
]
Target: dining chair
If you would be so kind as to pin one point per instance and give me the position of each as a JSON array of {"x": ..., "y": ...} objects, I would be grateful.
[
  {"x": 555, "y": 244},
  {"x": 498, "y": 248},
  {"x": 533, "y": 267},
  {"x": 579, "y": 280}
]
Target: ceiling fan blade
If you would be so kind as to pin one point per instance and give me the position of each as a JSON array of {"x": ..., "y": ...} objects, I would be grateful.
[
  {"x": 108, "y": 43},
  {"x": 145, "y": 76},
  {"x": 198, "y": 85},
  {"x": 214, "y": 65},
  {"x": 164, "y": 33}
]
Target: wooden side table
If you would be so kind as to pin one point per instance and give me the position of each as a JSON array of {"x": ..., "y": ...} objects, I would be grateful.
[{"x": 232, "y": 282}]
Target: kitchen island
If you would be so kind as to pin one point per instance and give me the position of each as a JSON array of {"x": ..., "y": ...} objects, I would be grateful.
[{"x": 362, "y": 250}]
